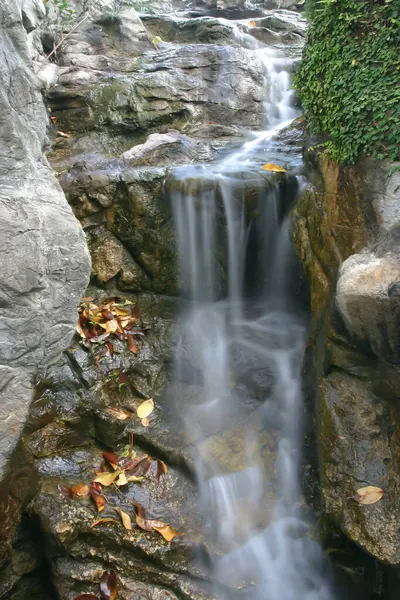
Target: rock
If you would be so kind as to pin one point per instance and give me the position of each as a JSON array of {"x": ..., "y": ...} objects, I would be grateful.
[
  {"x": 165, "y": 149},
  {"x": 362, "y": 297},
  {"x": 356, "y": 453},
  {"x": 42, "y": 246},
  {"x": 345, "y": 230},
  {"x": 179, "y": 85}
]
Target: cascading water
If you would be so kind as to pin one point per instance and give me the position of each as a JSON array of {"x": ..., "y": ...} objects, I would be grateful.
[{"x": 245, "y": 351}]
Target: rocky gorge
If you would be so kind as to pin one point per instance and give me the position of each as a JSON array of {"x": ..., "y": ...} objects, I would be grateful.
[{"x": 93, "y": 141}]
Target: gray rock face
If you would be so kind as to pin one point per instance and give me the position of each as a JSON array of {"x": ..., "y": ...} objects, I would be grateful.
[
  {"x": 45, "y": 262},
  {"x": 347, "y": 234}
]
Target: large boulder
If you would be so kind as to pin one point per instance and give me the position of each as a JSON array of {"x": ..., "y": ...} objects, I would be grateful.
[{"x": 45, "y": 262}]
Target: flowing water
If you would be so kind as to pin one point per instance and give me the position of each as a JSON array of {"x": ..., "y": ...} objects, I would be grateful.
[{"x": 242, "y": 342}]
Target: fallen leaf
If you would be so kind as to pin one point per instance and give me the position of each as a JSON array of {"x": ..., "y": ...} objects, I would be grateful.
[
  {"x": 108, "y": 585},
  {"x": 168, "y": 532},
  {"x": 125, "y": 518},
  {"x": 145, "y": 422},
  {"x": 274, "y": 168},
  {"x": 141, "y": 466},
  {"x": 64, "y": 135},
  {"x": 81, "y": 490},
  {"x": 145, "y": 409},
  {"x": 64, "y": 490},
  {"x": 110, "y": 347},
  {"x": 252, "y": 23},
  {"x": 111, "y": 458},
  {"x": 107, "y": 479},
  {"x": 136, "y": 311},
  {"x": 162, "y": 468},
  {"x": 132, "y": 345},
  {"x": 119, "y": 413},
  {"x": 135, "y": 479},
  {"x": 164, "y": 529},
  {"x": 368, "y": 495},
  {"x": 122, "y": 480},
  {"x": 110, "y": 326},
  {"x": 97, "y": 496},
  {"x": 123, "y": 378},
  {"x": 104, "y": 520},
  {"x": 86, "y": 597}
]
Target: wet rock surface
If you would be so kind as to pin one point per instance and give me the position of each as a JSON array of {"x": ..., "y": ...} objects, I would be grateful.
[
  {"x": 346, "y": 233},
  {"x": 42, "y": 249}
]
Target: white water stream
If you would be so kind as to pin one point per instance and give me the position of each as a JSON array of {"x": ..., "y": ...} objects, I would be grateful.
[{"x": 246, "y": 357}]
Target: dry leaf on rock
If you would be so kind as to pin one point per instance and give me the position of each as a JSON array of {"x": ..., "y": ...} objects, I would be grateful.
[
  {"x": 107, "y": 478},
  {"x": 368, "y": 495},
  {"x": 168, "y": 532},
  {"x": 125, "y": 518},
  {"x": 145, "y": 422},
  {"x": 164, "y": 529},
  {"x": 86, "y": 597},
  {"x": 122, "y": 480},
  {"x": 145, "y": 409},
  {"x": 111, "y": 458},
  {"x": 104, "y": 520},
  {"x": 108, "y": 585},
  {"x": 98, "y": 498},
  {"x": 119, "y": 413},
  {"x": 81, "y": 490},
  {"x": 162, "y": 469}
]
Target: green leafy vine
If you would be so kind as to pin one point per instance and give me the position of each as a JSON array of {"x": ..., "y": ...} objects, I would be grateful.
[{"x": 348, "y": 80}]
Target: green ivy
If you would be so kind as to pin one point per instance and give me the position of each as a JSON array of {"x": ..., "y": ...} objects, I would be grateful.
[{"x": 349, "y": 78}]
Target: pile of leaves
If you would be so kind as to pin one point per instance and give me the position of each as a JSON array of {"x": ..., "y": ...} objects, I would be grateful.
[
  {"x": 112, "y": 318},
  {"x": 348, "y": 77},
  {"x": 120, "y": 471},
  {"x": 108, "y": 588}
]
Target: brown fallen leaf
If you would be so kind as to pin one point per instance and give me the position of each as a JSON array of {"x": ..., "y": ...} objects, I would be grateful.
[
  {"x": 107, "y": 479},
  {"x": 86, "y": 597},
  {"x": 97, "y": 496},
  {"x": 132, "y": 345},
  {"x": 112, "y": 459},
  {"x": 104, "y": 520},
  {"x": 108, "y": 585},
  {"x": 119, "y": 413},
  {"x": 125, "y": 518},
  {"x": 164, "y": 529},
  {"x": 145, "y": 409},
  {"x": 162, "y": 469},
  {"x": 368, "y": 495},
  {"x": 142, "y": 466},
  {"x": 273, "y": 168},
  {"x": 81, "y": 490}
]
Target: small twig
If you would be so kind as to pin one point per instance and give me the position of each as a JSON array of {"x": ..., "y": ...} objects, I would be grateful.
[{"x": 65, "y": 37}]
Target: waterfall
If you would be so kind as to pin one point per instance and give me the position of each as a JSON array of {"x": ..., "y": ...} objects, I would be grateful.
[{"x": 246, "y": 350}]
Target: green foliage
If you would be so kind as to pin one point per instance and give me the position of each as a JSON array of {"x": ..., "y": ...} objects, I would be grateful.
[
  {"x": 348, "y": 80},
  {"x": 63, "y": 8}
]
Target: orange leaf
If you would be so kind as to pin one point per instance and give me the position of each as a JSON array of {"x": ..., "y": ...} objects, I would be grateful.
[
  {"x": 252, "y": 23},
  {"x": 80, "y": 490},
  {"x": 168, "y": 532},
  {"x": 112, "y": 458},
  {"x": 273, "y": 168},
  {"x": 162, "y": 469},
  {"x": 125, "y": 518}
]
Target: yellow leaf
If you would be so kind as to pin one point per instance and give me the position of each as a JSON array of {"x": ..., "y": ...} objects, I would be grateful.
[
  {"x": 368, "y": 495},
  {"x": 252, "y": 23},
  {"x": 274, "y": 168},
  {"x": 125, "y": 518},
  {"x": 145, "y": 409},
  {"x": 168, "y": 532},
  {"x": 122, "y": 480},
  {"x": 145, "y": 422},
  {"x": 107, "y": 478},
  {"x": 135, "y": 479},
  {"x": 156, "y": 40},
  {"x": 353, "y": 62}
]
